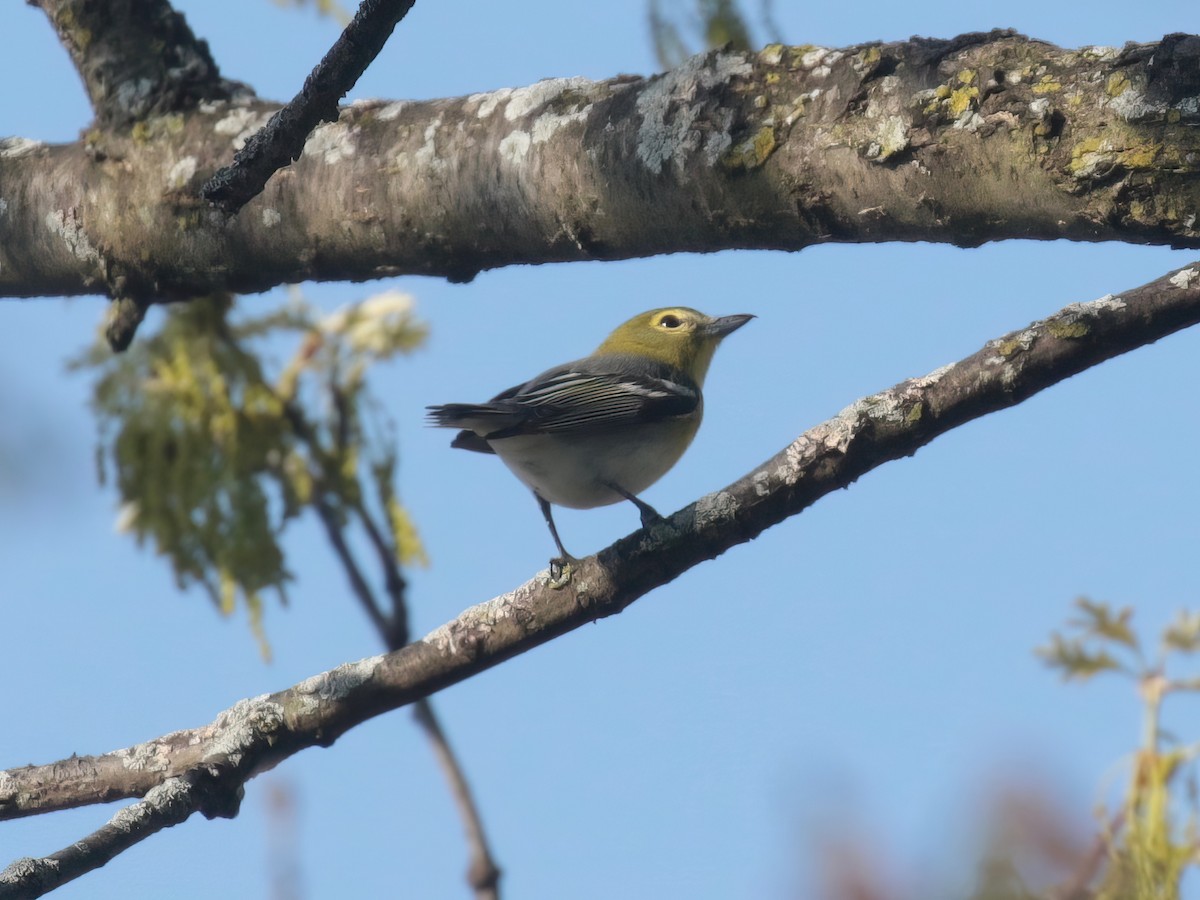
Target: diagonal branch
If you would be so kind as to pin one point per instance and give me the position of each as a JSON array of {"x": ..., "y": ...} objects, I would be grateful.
[
  {"x": 137, "y": 58},
  {"x": 257, "y": 734},
  {"x": 282, "y": 139}
]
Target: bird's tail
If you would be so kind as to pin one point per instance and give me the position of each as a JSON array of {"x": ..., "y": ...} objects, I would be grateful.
[
  {"x": 476, "y": 421},
  {"x": 482, "y": 417}
]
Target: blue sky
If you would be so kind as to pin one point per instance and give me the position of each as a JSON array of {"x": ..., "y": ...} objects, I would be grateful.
[{"x": 864, "y": 667}]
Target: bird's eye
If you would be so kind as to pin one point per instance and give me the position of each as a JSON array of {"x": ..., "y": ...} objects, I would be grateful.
[{"x": 669, "y": 322}]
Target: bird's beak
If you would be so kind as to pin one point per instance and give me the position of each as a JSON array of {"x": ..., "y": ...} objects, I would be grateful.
[{"x": 725, "y": 325}]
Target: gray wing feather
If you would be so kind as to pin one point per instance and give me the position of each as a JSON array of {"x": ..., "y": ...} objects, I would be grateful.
[{"x": 593, "y": 393}]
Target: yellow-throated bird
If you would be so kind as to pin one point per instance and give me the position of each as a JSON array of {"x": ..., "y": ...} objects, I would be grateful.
[{"x": 603, "y": 428}]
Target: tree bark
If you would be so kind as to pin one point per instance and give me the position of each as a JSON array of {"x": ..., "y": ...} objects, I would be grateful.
[{"x": 983, "y": 137}]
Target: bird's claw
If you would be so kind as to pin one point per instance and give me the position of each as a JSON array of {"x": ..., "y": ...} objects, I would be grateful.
[
  {"x": 561, "y": 570},
  {"x": 650, "y": 518}
]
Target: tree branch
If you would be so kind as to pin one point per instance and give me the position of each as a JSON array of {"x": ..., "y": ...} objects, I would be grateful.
[
  {"x": 137, "y": 58},
  {"x": 358, "y": 583},
  {"x": 170, "y": 803},
  {"x": 281, "y": 140},
  {"x": 257, "y": 734},
  {"x": 482, "y": 872},
  {"x": 984, "y": 137}
]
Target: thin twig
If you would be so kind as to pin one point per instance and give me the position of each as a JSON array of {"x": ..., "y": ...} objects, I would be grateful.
[
  {"x": 358, "y": 584},
  {"x": 482, "y": 874},
  {"x": 393, "y": 580}
]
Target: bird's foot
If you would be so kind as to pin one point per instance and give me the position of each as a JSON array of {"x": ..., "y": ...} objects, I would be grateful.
[
  {"x": 561, "y": 570},
  {"x": 650, "y": 517}
]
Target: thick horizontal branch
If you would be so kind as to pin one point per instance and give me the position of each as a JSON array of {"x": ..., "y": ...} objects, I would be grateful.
[
  {"x": 257, "y": 734},
  {"x": 980, "y": 138},
  {"x": 137, "y": 58}
]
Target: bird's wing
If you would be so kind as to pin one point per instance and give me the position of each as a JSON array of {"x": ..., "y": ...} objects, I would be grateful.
[
  {"x": 578, "y": 400},
  {"x": 581, "y": 396}
]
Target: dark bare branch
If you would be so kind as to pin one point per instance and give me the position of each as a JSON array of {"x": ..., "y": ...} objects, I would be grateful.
[
  {"x": 282, "y": 139},
  {"x": 137, "y": 58},
  {"x": 255, "y": 735},
  {"x": 483, "y": 875}
]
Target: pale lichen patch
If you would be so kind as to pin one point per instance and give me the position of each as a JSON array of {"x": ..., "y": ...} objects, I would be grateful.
[
  {"x": 240, "y": 123},
  {"x": 813, "y": 57},
  {"x": 271, "y": 217},
  {"x": 488, "y": 102},
  {"x": 1109, "y": 302},
  {"x": 1184, "y": 277},
  {"x": 771, "y": 55},
  {"x": 151, "y": 757},
  {"x": 66, "y": 224},
  {"x": 337, "y": 683},
  {"x": 331, "y": 143},
  {"x": 522, "y": 101},
  {"x": 890, "y": 138},
  {"x": 1011, "y": 345},
  {"x": 449, "y": 639},
  {"x": 181, "y": 173},
  {"x": 426, "y": 155},
  {"x": 16, "y": 147},
  {"x": 670, "y": 111},
  {"x": 133, "y": 93},
  {"x": 390, "y": 111},
  {"x": 891, "y": 407},
  {"x": 713, "y": 509},
  {"x": 927, "y": 381},
  {"x": 1132, "y": 104},
  {"x": 514, "y": 147},
  {"x": 762, "y": 483}
]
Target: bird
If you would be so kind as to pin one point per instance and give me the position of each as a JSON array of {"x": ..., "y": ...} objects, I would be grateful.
[{"x": 601, "y": 429}]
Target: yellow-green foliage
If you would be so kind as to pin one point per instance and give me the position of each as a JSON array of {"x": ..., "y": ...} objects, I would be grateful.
[
  {"x": 333, "y": 9},
  {"x": 714, "y": 23},
  {"x": 212, "y": 457},
  {"x": 1151, "y": 840}
]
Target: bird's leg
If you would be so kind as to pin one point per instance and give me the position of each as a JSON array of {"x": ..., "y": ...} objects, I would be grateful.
[
  {"x": 565, "y": 558},
  {"x": 649, "y": 513}
]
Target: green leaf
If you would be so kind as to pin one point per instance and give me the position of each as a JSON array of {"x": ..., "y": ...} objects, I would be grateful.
[
  {"x": 1184, "y": 633},
  {"x": 212, "y": 457},
  {"x": 1074, "y": 659},
  {"x": 1099, "y": 621}
]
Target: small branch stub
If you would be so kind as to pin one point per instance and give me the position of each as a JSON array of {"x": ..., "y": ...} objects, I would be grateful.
[{"x": 125, "y": 314}]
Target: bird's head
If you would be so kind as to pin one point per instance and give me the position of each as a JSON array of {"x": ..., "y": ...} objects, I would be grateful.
[{"x": 677, "y": 336}]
